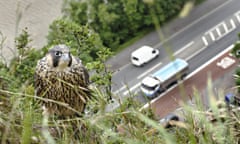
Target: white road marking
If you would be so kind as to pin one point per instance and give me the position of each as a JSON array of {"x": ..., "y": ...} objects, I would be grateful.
[
  {"x": 188, "y": 58},
  {"x": 212, "y": 36},
  {"x": 213, "y": 28},
  {"x": 193, "y": 23},
  {"x": 196, "y": 53},
  {"x": 183, "y": 48},
  {"x": 117, "y": 91},
  {"x": 210, "y": 61},
  {"x": 226, "y": 62},
  {"x": 225, "y": 27},
  {"x": 183, "y": 29},
  {"x": 149, "y": 70},
  {"x": 186, "y": 46},
  {"x": 138, "y": 84},
  {"x": 203, "y": 38},
  {"x": 237, "y": 15},
  {"x": 233, "y": 24},
  {"x": 218, "y": 31},
  {"x": 205, "y": 41},
  {"x": 132, "y": 88},
  {"x": 196, "y": 71},
  {"x": 227, "y": 31}
]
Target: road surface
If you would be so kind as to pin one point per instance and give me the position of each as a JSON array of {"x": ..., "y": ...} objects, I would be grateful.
[
  {"x": 196, "y": 43},
  {"x": 219, "y": 67}
]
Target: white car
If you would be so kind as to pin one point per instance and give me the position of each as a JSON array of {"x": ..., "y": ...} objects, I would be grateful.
[{"x": 143, "y": 55}]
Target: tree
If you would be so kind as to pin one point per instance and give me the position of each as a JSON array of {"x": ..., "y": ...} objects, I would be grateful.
[
  {"x": 102, "y": 76},
  {"x": 87, "y": 45},
  {"x": 236, "y": 50},
  {"x": 118, "y": 21},
  {"x": 83, "y": 41},
  {"x": 23, "y": 65}
]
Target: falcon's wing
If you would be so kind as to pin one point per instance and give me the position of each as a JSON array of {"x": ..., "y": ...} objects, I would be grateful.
[
  {"x": 84, "y": 73},
  {"x": 39, "y": 82}
]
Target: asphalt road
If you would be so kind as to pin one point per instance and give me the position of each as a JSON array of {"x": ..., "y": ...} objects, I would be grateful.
[
  {"x": 170, "y": 30},
  {"x": 197, "y": 42}
]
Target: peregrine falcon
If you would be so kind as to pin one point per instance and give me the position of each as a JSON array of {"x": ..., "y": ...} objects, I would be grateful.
[{"x": 61, "y": 77}]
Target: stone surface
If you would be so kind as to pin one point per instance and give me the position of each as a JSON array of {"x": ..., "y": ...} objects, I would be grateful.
[{"x": 35, "y": 15}]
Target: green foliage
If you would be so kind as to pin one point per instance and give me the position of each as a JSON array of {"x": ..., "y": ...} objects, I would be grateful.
[
  {"x": 23, "y": 66},
  {"x": 238, "y": 71},
  {"x": 17, "y": 111},
  {"x": 118, "y": 21},
  {"x": 27, "y": 122},
  {"x": 24, "y": 70},
  {"x": 83, "y": 42},
  {"x": 22, "y": 42},
  {"x": 102, "y": 76},
  {"x": 236, "y": 50},
  {"x": 199, "y": 1},
  {"x": 237, "y": 82},
  {"x": 21, "y": 119}
]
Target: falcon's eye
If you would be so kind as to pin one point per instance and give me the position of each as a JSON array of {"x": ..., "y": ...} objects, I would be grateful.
[{"x": 58, "y": 53}]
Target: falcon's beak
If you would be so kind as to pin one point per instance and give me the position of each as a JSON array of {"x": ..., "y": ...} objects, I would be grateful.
[
  {"x": 65, "y": 57},
  {"x": 64, "y": 61}
]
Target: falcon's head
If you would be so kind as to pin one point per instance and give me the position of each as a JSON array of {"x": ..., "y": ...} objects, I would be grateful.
[{"x": 59, "y": 57}]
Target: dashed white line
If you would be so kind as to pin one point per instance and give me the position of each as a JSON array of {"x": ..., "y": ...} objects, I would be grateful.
[
  {"x": 183, "y": 48},
  {"x": 149, "y": 70},
  {"x": 196, "y": 71},
  {"x": 238, "y": 18},
  {"x": 237, "y": 15},
  {"x": 132, "y": 88},
  {"x": 218, "y": 31},
  {"x": 212, "y": 36},
  {"x": 225, "y": 27},
  {"x": 138, "y": 84},
  {"x": 205, "y": 41},
  {"x": 123, "y": 87},
  {"x": 196, "y": 53},
  {"x": 193, "y": 23},
  {"x": 233, "y": 24},
  {"x": 213, "y": 28}
]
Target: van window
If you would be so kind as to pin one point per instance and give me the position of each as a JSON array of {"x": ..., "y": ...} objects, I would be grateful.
[
  {"x": 134, "y": 58},
  {"x": 149, "y": 88}
]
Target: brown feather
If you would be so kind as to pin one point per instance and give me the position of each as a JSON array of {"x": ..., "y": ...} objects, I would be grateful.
[{"x": 70, "y": 86}]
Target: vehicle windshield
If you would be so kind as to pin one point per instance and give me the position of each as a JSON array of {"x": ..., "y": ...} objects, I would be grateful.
[{"x": 148, "y": 87}]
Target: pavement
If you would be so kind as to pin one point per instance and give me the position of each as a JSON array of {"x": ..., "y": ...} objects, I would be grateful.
[{"x": 118, "y": 61}]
